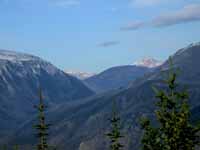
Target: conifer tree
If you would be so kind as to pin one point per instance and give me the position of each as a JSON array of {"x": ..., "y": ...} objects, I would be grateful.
[
  {"x": 175, "y": 132},
  {"x": 115, "y": 134},
  {"x": 151, "y": 136},
  {"x": 41, "y": 127},
  {"x": 16, "y": 147}
]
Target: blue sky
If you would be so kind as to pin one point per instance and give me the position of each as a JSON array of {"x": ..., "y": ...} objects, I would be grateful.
[{"x": 93, "y": 35}]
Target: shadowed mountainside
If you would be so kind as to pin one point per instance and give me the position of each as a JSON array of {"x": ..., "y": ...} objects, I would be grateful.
[
  {"x": 116, "y": 77},
  {"x": 81, "y": 125},
  {"x": 20, "y": 76}
]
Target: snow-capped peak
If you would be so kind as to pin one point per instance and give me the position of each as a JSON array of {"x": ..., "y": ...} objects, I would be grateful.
[
  {"x": 193, "y": 44},
  {"x": 187, "y": 47},
  {"x": 20, "y": 59},
  {"x": 16, "y": 56},
  {"x": 80, "y": 75},
  {"x": 148, "y": 62}
]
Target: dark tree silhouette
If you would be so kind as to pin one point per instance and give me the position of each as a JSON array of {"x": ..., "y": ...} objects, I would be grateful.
[
  {"x": 174, "y": 130},
  {"x": 41, "y": 127},
  {"x": 115, "y": 135}
]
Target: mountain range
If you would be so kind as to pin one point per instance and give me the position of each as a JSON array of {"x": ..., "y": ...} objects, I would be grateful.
[
  {"x": 145, "y": 62},
  {"x": 82, "y": 124},
  {"x": 148, "y": 62},
  {"x": 79, "y": 74},
  {"x": 20, "y": 77},
  {"x": 115, "y": 77}
]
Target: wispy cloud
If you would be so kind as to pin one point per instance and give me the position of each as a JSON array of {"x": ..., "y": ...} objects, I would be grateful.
[
  {"x": 133, "y": 26},
  {"x": 67, "y": 3},
  {"x": 108, "y": 44},
  {"x": 189, "y": 13}
]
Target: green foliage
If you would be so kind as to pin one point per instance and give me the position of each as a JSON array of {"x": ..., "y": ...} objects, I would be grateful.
[
  {"x": 175, "y": 132},
  {"x": 151, "y": 137},
  {"x": 41, "y": 127},
  {"x": 16, "y": 147},
  {"x": 115, "y": 135}
]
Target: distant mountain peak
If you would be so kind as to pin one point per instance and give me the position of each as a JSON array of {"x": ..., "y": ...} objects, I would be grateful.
[
  {"x": 193, "y": 44},
  {"x": 35, "y": 63},
  {"x": 16, "y": 56},
  {"x": 79, "y": 74},
  {"x": 148, "y": 62},
  {"x": 187, "y": 47}
]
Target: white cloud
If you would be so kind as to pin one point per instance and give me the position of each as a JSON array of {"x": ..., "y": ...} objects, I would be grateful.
[
  {"x": 189, "y": 13},
  {"x": 133, "y": 26}
]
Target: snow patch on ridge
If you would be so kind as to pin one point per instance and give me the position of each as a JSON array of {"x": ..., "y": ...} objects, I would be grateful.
[
  {"x": 80, "y": 75},
  {"x": 22, "y": 60},
  {"x": 148, "y": 62},
  {"x": 16, "y": 56},
  {"x": 187, "y": 47}
]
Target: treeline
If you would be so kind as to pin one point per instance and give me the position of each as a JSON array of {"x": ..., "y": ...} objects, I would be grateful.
[{"x": 174, "y": 130}]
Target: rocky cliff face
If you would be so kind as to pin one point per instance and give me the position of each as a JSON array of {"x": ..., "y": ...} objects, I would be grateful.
[{"x": 20, "y": 77}]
